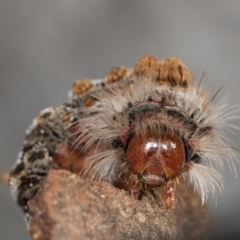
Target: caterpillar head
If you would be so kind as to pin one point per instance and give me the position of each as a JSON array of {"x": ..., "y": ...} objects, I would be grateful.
[{"x": 145, "y": 135}]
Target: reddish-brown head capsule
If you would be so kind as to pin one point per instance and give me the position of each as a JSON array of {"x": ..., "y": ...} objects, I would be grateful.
[{"x": 156, "y": 158}]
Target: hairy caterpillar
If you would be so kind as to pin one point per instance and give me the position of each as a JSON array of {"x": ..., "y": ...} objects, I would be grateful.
[{"x": 143, "y": 129}]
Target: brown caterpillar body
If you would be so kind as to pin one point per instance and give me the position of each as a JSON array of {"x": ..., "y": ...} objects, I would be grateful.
[{"x": 143, "y": 129}]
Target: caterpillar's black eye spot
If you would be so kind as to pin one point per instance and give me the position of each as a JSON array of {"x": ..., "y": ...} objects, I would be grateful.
[
  {"x": 191, "y": 156},
  {"x": 116, "y": 143},
  {"x": 188, "y": 150},
  {"x": 196, "y": 159}
]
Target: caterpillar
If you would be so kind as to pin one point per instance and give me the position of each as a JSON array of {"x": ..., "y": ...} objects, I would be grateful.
[{"x": 144, "y": 129}]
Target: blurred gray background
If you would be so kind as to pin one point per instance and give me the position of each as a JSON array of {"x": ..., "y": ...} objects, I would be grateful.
[{"x": 46, "y": 45}]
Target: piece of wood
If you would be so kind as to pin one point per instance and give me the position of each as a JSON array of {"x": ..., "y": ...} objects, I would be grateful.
[{"x": 69, "y": 207}]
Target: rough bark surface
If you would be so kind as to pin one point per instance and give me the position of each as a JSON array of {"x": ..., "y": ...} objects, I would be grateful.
[{"x": 69, "y": 207}]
